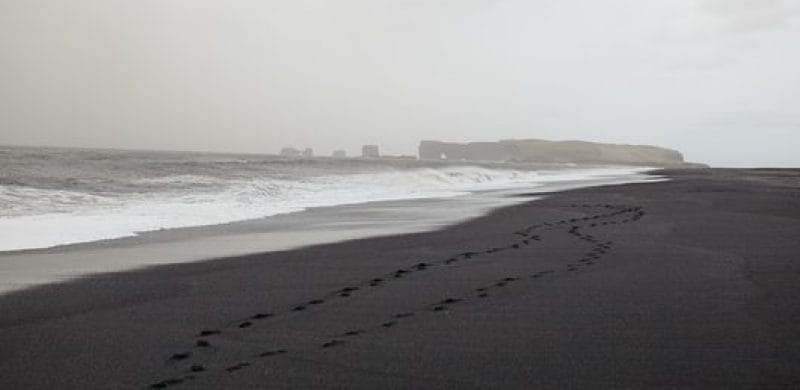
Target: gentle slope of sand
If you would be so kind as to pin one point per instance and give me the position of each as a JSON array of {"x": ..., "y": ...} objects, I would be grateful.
[{"x": 690, "y": 283}]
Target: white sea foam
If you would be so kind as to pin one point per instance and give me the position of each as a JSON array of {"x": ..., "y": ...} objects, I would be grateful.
[{"x": 40, "y": 218}]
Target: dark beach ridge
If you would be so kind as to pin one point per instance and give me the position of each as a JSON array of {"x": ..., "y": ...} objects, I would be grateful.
[{"x": 688, "y": 283}]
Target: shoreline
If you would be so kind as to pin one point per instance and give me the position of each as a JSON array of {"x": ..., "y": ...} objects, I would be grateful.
[
  {"x": 684, "y": 283},
  {"x": 29, "y": 268},
  {"x": 100, "y": 202}
]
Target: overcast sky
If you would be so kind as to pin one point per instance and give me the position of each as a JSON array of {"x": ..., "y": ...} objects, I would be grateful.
[{"x": 715, "y": 79}]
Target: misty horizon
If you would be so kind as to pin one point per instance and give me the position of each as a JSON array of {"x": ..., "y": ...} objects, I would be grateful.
[{"x": 713, "y": 79}]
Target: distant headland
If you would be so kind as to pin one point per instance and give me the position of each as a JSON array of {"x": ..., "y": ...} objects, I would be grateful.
[{"x": 536, "y": 150}]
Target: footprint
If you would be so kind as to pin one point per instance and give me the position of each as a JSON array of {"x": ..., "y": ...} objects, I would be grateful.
[
  {"x": 299, "y": 308},
  {"x": 168, "y": 382},
  {"x": 332, "y": 343},
  {"x": 180, "y": 356},
  {"x": 260, "y": 316},
  {"x": 438, "y": 308},
  {"x": 449, "y": 301},
  {"x": 197, "y": 368},
  {"x": 237, "y": 367},
  {"x": 203, "y": 343},
  {"x": 272, "y": 353},
  {"x": 344, "y": 294},
  {"x": 353, "y": 332},
  {"x": 209, "y": 333},
  {"x": 403, "y": 315},
  {"x": 483, "y": 295},
  {"x": 389, "y": 324},
  {"x": 510, "y": 279},
  {"x": 316, "y": 302},
  {"x": 349, "y": 289},
  {"x": 421, "y": 266},
  {"x": 245, "y": 324}
]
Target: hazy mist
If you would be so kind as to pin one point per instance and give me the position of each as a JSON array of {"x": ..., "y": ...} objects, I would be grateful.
[{"x": 715, "y": 79}]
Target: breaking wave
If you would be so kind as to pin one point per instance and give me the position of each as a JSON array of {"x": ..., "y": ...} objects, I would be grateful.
[{"x": 38, "y": 211}]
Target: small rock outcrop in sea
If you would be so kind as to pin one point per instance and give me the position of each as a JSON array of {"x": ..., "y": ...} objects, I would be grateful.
[
  {"x": 370, "y": 151},
  {"x": 290, "y": 152}
]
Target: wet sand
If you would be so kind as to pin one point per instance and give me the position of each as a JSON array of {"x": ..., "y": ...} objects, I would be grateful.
[{"x": 691, "y": 283}]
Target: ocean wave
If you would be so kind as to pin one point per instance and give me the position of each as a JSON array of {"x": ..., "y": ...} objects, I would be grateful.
[{"x": 44, "y": 217}]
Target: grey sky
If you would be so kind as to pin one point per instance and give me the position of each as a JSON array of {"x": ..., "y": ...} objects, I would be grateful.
[{"x": 716, "y": 79}]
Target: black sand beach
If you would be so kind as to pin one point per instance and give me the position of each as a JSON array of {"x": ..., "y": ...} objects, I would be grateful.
[{"x": 690, "y": 283}]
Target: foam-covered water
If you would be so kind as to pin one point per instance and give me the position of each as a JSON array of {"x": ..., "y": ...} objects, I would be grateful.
[{"x": 51, "y": 197}]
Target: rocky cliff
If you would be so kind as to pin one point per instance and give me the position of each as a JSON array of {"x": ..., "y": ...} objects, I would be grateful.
[{"x": 533, "y": 150}]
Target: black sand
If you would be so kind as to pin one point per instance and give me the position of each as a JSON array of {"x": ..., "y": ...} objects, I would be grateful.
[{"x": 692, "y": 283}]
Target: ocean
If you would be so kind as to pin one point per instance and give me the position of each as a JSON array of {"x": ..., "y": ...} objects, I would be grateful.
[{"x": 51, "y": 197}]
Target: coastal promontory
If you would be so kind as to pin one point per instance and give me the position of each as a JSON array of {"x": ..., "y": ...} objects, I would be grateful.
[{"x": 536, "y": 150}]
